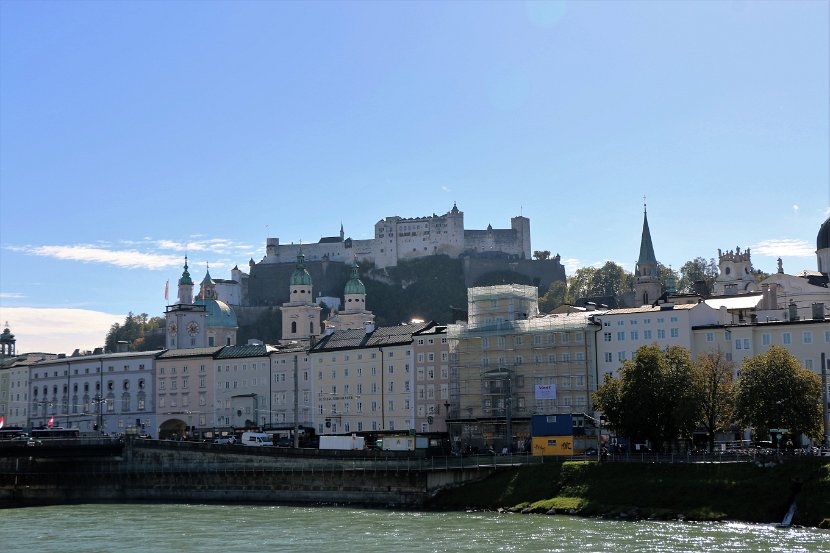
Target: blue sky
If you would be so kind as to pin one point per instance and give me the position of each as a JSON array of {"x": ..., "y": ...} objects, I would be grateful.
[{"x": 131, "y": 131}]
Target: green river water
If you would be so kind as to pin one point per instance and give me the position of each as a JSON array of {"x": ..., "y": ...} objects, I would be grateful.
[{"x": 244, "y": 528}]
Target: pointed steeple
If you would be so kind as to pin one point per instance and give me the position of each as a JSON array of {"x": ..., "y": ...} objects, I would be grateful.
[
  {"x": 647, "y": 287},
  {"x": 646, "y": 247},
  {"x": 208, "y": 286}
]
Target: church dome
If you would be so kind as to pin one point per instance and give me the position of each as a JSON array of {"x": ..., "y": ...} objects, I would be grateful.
[
  {"x": 301, "y": 276},
  {"x": 354, "y": 285},
  {"x": 219, "y": 313},
  {"x": 823, "y": 238}
]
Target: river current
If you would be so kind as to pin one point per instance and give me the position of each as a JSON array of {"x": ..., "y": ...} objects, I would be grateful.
[{"x": 183, "y": 528}]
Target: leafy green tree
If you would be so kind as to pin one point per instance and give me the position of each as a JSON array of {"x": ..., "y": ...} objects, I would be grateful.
[
  {"x": 541, "y": 254},
  {"x": 654, "y": 398},
  {"x": 776, "y": 391},
  {"x": 695, "y": 270},
  {"x": 609, "y": 280},
  {"x": 554, "y": 297},
  {"x": 141, "y": 332},
  {"x": 712, "y": 376}
]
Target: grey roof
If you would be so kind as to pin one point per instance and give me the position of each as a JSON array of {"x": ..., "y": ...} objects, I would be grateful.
[
  {"x": 381, "y": 336},
  {"x": 103, "y": 356},
  {"x": 246, "y": 350},
  {"x": 190, "y": 352}
]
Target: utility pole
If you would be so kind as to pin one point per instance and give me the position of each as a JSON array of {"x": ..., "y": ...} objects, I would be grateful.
[
  {"x": 825, "y": 395},
  {"x": 296, "y": 405}
]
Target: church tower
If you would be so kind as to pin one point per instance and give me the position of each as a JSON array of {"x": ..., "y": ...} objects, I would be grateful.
[
  {"x": 354, "y": 315},
  {"x": 7, "y": 343},
  {"x": 186, "y": 322},
  {"x": 300, "y": 316},
  {"x": 647, "y": 276},
  {"x": 734, "y": 273},
  {"x": 221, "y": 323}
]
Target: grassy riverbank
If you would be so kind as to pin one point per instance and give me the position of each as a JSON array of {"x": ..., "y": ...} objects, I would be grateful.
[{"x": 746, "y": 492}]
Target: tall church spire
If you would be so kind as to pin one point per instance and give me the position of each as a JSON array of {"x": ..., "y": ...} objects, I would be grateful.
[
  {"x": 646, "y": 247},
  {"x": 185, "y": 286},
  {"x": 647, "y": 286}
]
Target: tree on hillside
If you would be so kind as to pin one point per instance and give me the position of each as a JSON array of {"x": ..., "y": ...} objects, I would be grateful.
[
  {"x": 141, "y": 332},
  {"x": 541, "y": 254},
  {"x": 654, "y": 398},
  {"x": 554, "y": 297},
  {"x": 712, "y": 376},
  {"x": 609, "y": 280},
  {"x": 695, "y": 270},
  {"x": 776, "y": 391}
]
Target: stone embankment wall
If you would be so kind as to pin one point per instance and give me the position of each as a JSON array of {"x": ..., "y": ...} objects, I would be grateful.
[{"x": 179, "y": 472}]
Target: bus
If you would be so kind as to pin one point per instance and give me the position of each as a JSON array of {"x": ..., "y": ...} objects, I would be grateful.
[
  {"x": 12, "y": 434},
  {"x": 55, "y": 432}
]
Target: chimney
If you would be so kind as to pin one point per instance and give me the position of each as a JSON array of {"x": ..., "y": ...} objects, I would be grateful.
[
  {"x": 98, "y": 351},
  {"x": 818, "y": 311},
  {"x": 122, "y": 346},
  {"x": 793, "y": 311}
]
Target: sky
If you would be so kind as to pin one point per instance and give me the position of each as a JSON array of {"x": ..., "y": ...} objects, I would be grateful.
[{"x": 133, "y": 132}]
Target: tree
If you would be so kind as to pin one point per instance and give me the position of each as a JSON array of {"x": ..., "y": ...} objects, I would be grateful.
[
  {"x": 712, "y": 376},
  {"x": 554, "y": 297},
  {"x": 610, "y": 280},
  {"x": 141, "y": 332},
  {"x": 541, "y": 254},
  {"x": 654, "y": 399},
  {"x": 698, "y": 269},
  {"x": 776, "y": 391}
]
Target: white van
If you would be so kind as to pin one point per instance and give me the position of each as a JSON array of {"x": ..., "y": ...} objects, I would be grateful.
[{"x": 256, "y": 439}]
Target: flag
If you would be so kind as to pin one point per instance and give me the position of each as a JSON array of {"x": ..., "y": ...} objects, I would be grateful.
[
  {"x": 51, "y": 422},
  {"x": 166, "y": 284}
]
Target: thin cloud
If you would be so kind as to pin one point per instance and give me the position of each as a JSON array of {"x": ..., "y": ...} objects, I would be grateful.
[
  {"x": 445, "y": 189},
  {"x": 796, "y": 208},
  {"x": 55, "y": 330},
  {"x": 571, "y": 264},
  {"x": 783, "y": 248},
  {"x": 131, "y": 259},
  {"x": 11, "y": 295}
]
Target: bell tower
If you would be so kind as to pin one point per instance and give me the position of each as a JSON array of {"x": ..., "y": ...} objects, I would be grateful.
[{"x": 647, "y": 276}]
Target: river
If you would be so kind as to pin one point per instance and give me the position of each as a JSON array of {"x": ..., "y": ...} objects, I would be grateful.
[{"x": 244, "y": 528}]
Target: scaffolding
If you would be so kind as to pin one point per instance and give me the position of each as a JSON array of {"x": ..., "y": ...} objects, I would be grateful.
[{"x": 497, "y": 364}]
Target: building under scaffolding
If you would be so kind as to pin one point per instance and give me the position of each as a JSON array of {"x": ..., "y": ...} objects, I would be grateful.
[{"x": 509, "y": 363}]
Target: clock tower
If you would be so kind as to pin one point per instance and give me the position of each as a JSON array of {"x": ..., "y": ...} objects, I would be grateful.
[{"x": 186, "y": 322}]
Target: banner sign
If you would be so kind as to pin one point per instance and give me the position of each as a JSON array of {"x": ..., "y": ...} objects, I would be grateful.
[{"x": 545, "y": 391}]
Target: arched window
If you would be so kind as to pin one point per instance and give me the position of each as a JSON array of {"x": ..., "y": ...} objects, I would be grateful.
[
  {"x": 311, "y": 327},
  {"x": 293, "y": 327}
]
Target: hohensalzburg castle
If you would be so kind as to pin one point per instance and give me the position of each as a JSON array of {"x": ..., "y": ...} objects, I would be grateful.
[{"x": 397, "y": 239}]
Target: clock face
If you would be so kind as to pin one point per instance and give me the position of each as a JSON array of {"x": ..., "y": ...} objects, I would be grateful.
[
  {"x": 193, "y": 328},
  {"x": 172, "y": 328}
]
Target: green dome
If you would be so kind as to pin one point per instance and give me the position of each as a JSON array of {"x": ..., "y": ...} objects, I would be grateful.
[
  {"x": 185, "y": 280},
  {"x": 354, "y": 285},
  {"x": 219, "y": 313},
  {"x": 301, "y": 276}
]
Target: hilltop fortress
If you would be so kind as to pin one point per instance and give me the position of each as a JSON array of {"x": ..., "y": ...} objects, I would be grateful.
[{"x": 397, "y": 239}]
